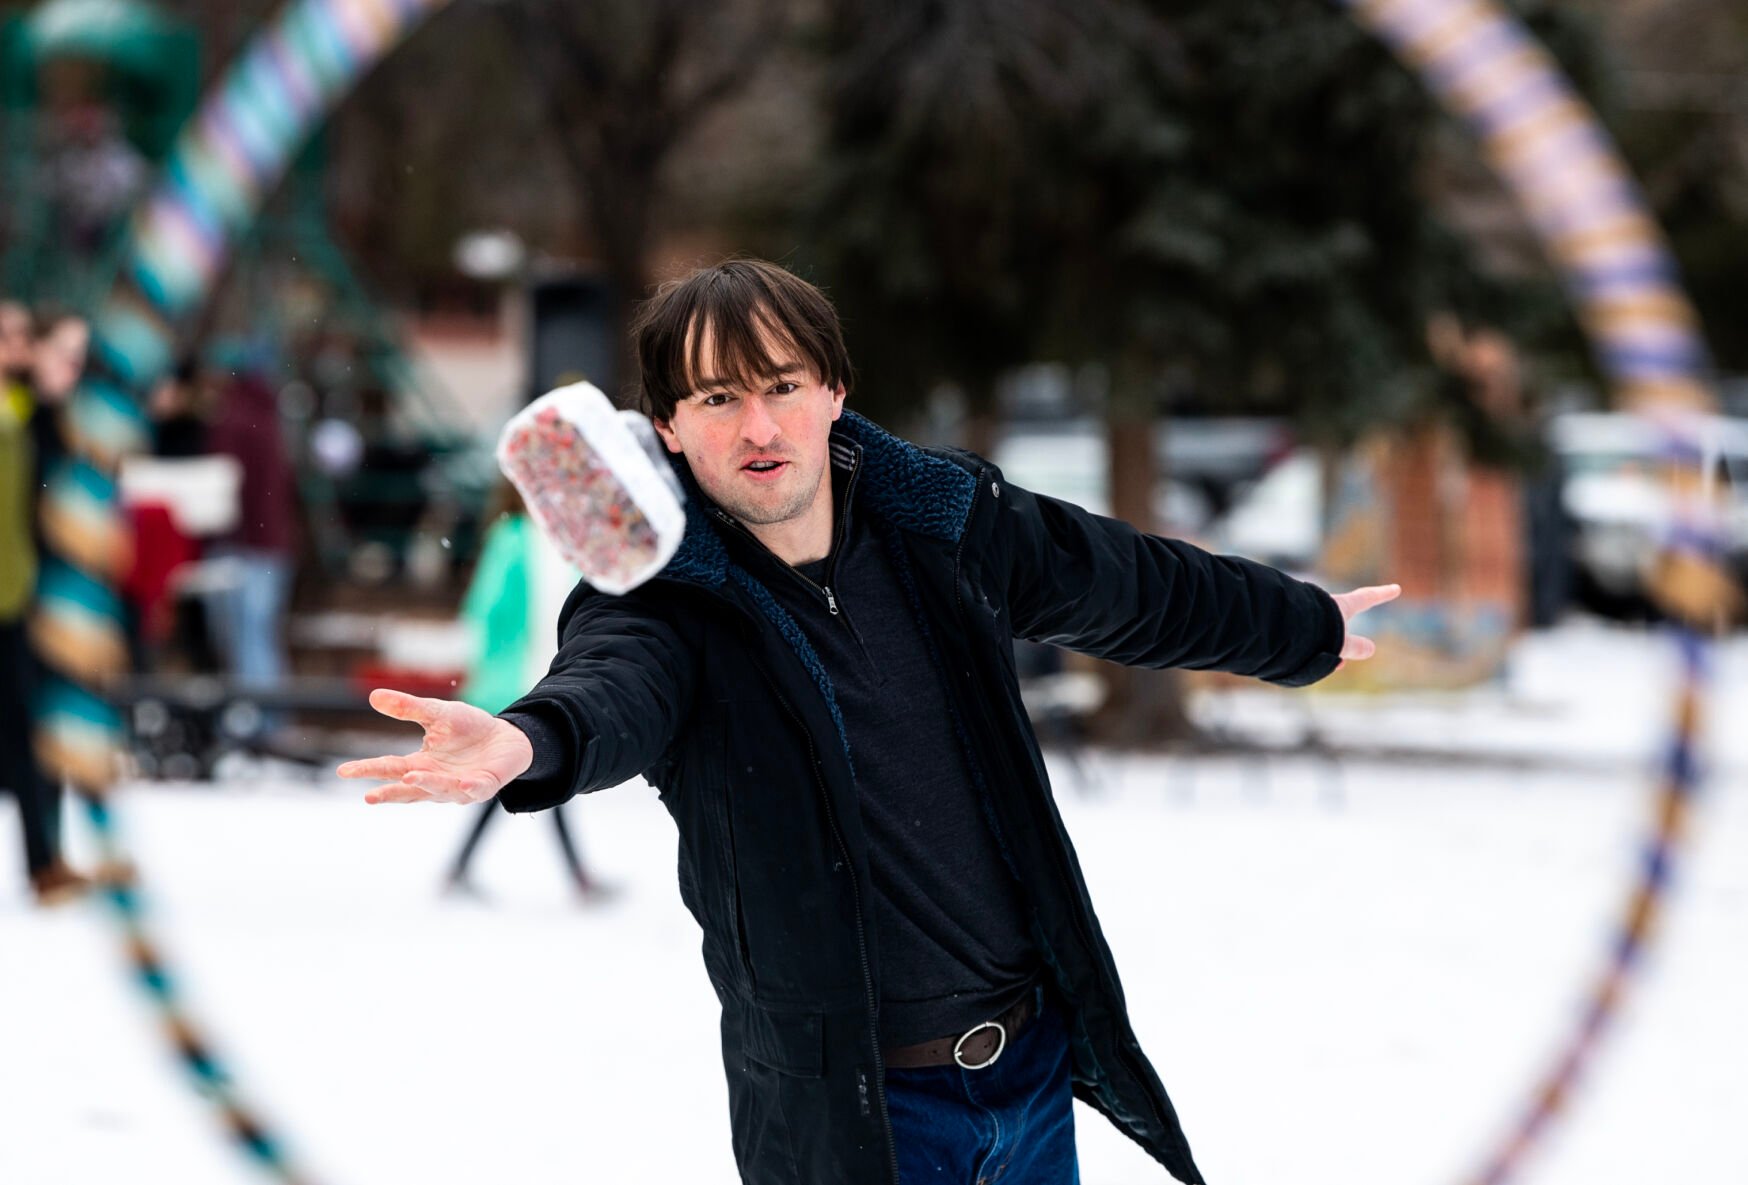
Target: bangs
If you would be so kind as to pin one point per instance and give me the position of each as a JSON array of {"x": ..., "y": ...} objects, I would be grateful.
[
  {"x": 738, "y": 358},
  {"x": 747, "y": 309}
]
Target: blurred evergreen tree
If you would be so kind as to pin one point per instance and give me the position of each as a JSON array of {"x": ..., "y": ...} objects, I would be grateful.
[
  {"x": 1231, "y": 196},
  {"x": 934, "y": 219},
  {"x": 1259, "y": 211},
  {"x": 1243, "y": 193}
]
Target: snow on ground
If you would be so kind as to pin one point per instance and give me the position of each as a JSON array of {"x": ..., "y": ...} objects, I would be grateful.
[
  {"x": 1344, "y": 975},
  {"x": 1589, "y": 695}
]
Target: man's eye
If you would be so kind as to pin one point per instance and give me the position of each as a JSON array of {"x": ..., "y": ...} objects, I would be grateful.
[
  {"x": 715, "y": 400},
  {"x": 785, "y": 388}
]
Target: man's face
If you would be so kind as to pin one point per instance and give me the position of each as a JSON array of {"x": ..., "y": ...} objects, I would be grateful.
[
  {"x": 15, "y": 343},
  {"x": 60, "y": 359},
  {"x": 759, "y": 452}
]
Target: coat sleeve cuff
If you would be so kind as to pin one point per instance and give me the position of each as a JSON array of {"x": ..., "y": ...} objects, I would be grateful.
[
  {"x": 1332, "y": 634},
  {"x": 548, "y": 781}
]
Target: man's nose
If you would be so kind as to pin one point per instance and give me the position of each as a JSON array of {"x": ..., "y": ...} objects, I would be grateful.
[{"x": 757, "y": 426}]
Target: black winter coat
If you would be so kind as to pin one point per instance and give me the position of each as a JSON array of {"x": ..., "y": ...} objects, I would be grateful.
[{"x": 703, "y": 684}]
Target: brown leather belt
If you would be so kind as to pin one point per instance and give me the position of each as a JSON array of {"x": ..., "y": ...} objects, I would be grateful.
[{"x": 974, "y": 1049}]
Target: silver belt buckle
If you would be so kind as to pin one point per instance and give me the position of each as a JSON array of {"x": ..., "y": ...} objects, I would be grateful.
[{"x": 959, "y": 1045}]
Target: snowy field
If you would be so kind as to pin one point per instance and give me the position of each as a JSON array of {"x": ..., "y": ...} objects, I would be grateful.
[{"x": 1346, "y": 975}]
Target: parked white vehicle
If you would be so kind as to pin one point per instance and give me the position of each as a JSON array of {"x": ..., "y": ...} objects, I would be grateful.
[
  {"x": 1279, "y": 520},
  {"x": 1611, "y": 492},
  {"x": 1620, "y": 506},
  {"x": 1199, "y": 459}
]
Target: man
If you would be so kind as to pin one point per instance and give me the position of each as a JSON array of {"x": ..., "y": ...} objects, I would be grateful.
[
  {"x": 57, "y": 363},
  {"x": 820, "y": 684}
]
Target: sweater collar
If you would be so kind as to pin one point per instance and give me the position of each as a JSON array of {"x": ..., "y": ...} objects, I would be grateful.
[{"x": 900, "y": 483}]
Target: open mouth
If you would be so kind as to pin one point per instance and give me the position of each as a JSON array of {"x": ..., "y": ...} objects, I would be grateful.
[{"x": 763, "y": 468}]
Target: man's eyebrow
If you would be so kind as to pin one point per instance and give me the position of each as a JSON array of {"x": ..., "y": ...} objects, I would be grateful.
[{"x": 788, "y": 368}]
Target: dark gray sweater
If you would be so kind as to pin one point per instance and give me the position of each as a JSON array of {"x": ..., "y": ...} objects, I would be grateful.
[{"x": 953, "y": 935}]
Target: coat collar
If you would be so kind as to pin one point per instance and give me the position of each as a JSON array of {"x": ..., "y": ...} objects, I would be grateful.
[{"x": 909, "y": 488}]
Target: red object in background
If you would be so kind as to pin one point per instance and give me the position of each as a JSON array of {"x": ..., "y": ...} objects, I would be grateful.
[
  {"x": 433, "y": 684},
  {"x": 159, "y": 549},
  {"x": 246, "y": 426}
]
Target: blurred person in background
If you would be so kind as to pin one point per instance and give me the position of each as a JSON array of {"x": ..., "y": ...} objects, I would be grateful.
[
  {"x": 17, "y": 344},
  {"x": 57, "y": 363},
  {"x": 161, "y": 547},
  {"x": 497, "y": 610},
  {"x": 20, "y": 774},
  {"x": 178, "y": 427},
  {"x": 820, "y": 684},
  {"x": 247, "y": 615}
]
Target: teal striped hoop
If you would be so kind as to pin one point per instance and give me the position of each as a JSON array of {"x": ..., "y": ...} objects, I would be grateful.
[
  {"x": 227, "y": 159},
  {"x": 1561, "y": 167}
]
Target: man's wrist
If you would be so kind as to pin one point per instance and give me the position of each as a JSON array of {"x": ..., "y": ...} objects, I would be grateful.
[
  {"x": 545, "y": 745},
  {"x": 521, "y": 741}
]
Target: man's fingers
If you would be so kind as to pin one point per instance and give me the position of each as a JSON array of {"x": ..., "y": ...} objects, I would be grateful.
[
  {"x": 402, "y": 706},
  {"x": 1361, "y": 599},
  {"x": 441, "y": 783},
  {"x": 396, "y": 792},
  {"x": 422, "y": 785},
  {"x": 448, "y": 787},
  {"x": 375, "y": 767},
  {"x": 1383, "y": 592},
  {"x": 1358, "y": 647},
  {"x": 1352, "y": 604}
]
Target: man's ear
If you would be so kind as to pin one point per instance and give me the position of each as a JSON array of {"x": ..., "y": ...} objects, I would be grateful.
[
  {"x": 838, "y": 396},
  {"x": 665, "y": 429}
]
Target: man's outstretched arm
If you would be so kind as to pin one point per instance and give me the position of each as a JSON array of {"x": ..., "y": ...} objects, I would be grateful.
[
  {"x": 606, "y": 710},
  {"x": 1100, "y": 586}
]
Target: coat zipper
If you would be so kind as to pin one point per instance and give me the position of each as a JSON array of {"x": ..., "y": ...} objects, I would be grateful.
[
  {"x": 831, "y": 598},
  {"x": 831, "y": 817},
  {"x": 843, "y": 526}
]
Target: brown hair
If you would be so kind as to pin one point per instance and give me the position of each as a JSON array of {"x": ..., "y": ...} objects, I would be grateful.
[{"x": 735, "y": 300}]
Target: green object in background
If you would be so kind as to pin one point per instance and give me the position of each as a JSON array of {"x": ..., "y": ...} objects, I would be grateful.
[
  {"x": 497, "y": 610},
  {"x": 17, "y": 549}
]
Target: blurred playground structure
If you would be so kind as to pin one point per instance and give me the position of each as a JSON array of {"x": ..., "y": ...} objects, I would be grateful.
[{"x": 92, "y": 96}]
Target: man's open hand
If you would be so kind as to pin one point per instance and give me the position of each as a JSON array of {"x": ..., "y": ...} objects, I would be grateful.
[
  {"x": 1354, "y": 603},
  {"x": 468, "y": 755}
]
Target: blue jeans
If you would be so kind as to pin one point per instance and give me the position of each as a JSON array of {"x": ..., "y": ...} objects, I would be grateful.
[
  {"x": 247, "y": 617},
  {"x": 1009, "y": 1124}
]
